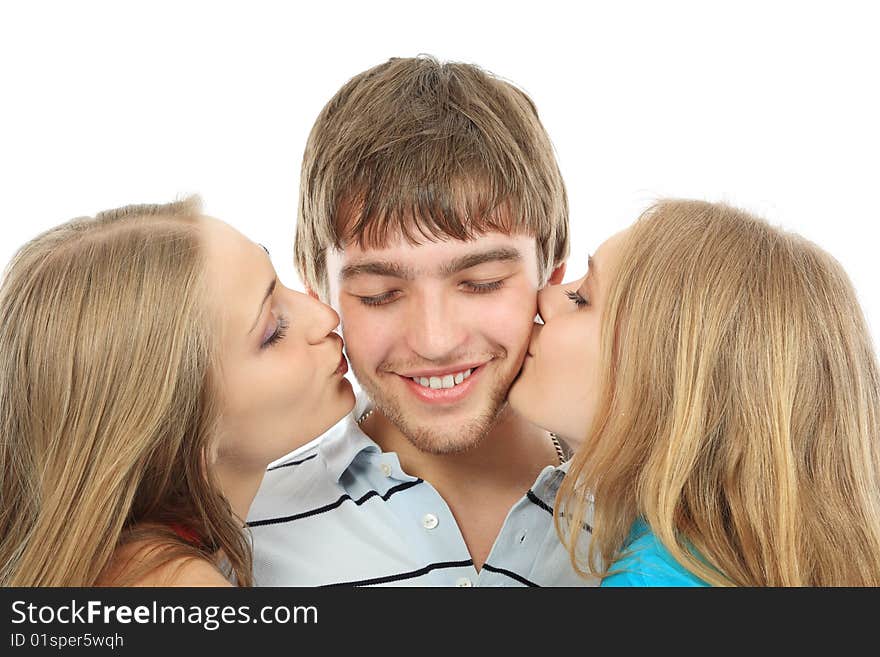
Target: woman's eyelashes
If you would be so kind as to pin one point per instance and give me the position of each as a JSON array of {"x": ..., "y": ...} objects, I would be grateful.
[
  {"x": 277, "y": 334},
  {"x": 577, "y": 298},
  {"x": 392, "y": 295}
]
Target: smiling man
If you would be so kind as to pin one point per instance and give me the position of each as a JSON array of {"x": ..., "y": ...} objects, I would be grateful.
[{"x": 431, "y": 213}]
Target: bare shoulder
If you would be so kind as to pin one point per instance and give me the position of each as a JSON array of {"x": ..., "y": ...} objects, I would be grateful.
[{"x": 132, "y": 566}]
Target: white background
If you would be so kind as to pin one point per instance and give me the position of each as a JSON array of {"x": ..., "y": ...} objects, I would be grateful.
[{"x": 770, "y": 106}]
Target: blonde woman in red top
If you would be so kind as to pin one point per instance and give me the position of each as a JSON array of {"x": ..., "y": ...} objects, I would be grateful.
[{"x": 151, "y": 366}]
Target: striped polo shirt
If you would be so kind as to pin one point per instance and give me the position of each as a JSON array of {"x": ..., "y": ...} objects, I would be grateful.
[{"x": 344, "y": 513}]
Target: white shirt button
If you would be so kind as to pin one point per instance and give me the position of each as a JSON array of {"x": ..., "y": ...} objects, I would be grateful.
[
  {"x": 386, "y": 469},
  {"x": 429, "y": 521},
  {"x": 463, "y": 582}
]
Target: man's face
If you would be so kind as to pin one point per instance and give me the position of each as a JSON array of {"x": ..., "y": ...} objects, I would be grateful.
[{"x": 436, "y": 332}]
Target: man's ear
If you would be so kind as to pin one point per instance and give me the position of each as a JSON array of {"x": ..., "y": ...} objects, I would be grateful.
[
  {"x": 312, "y": 293},
  {"x": 557, "y": 275}
]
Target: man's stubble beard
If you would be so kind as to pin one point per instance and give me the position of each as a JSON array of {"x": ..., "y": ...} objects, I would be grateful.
[{"x": 438, "y": 441}]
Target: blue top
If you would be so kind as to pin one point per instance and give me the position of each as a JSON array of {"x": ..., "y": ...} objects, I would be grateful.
[{"x": 648, "y": 563}]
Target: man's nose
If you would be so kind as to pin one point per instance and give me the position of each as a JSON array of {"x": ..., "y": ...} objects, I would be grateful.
[{"x": 434, "y": 328}]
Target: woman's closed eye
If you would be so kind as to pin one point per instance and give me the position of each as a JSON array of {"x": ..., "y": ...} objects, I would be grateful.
[
  {"x": 276, "y": 334},
  {"x": 576, "y": 297}
]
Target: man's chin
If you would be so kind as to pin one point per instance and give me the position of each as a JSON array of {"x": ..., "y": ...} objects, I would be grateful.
[
  {"x": 455, "y": 430},
  {"x": 443, "y": 445},
  {"x": 443, "y": 439}
]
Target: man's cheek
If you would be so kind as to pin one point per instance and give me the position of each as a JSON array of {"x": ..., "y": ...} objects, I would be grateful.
[
  {"x": 365, "y": 343},
  {"x": 512, "y": 326},
  {"x": 352, "y": 321},
  {"x": 516, "y": 306}
]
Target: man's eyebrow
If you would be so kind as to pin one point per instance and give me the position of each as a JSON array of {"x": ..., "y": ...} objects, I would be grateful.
[
  {"x": 394, "y": 270},
  {"x": 503, "y": 254},
  {"x": 376, "y": 268},
  {"x": 269, "y": 291}
]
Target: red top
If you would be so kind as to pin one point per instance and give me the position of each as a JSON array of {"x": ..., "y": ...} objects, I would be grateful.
[{"x": 185, "y": 533}]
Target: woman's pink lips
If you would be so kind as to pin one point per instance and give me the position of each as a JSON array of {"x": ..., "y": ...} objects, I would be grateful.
[{"x": 343, "y": 365}]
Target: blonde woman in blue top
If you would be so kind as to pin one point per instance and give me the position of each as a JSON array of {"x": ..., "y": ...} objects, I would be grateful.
[{"x": 720, "y": 380}]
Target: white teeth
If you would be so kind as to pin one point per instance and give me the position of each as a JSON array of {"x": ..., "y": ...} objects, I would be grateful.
[{"x": 438, "y": 382}]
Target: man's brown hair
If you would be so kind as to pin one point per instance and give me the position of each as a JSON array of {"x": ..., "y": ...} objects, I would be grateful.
[{"x": 427, "y": 150}]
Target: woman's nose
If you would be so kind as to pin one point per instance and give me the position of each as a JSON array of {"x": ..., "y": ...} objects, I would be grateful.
[
  {"x": 322, "y": 319},
  {"x": 548, "y": 301},
  {"x": 552, "y": 300}
]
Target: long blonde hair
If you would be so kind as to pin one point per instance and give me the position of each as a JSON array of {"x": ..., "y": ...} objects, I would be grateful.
[
  {"x": 108, "y": 402},
  {"x": 740, "y": 404}
]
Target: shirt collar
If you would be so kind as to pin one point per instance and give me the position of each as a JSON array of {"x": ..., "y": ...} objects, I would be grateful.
[
  {"x": 548, "y": 482},
  {"x": 343, "y": 445}
]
